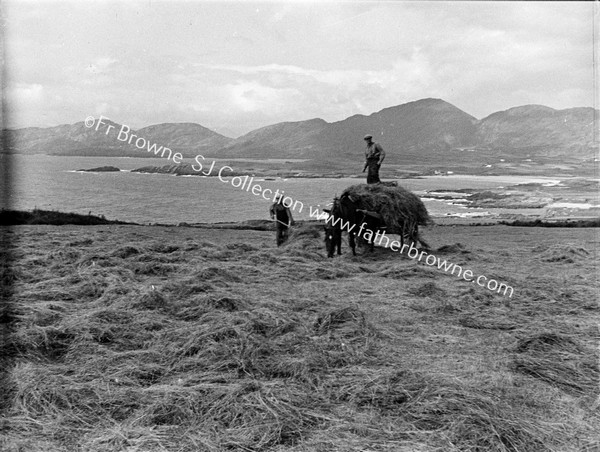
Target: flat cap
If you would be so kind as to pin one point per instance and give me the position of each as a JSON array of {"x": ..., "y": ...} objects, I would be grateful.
[{"x": 368, "y": 137}]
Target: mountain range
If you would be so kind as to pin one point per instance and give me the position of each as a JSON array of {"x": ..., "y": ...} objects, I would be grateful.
[
  {"x": 77, "y": 139},
  {"x": 416, "y": 131}
]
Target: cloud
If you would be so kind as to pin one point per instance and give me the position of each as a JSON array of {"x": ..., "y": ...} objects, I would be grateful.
[
  {"x": 296, "y": 91},
  {"x": 25, "y": 95},
  {"x": 238, "y": 38},
  {"x": 415, "y": 70},
  {"x": 253, "y": 96},
  {"x": 243, "y": 65},
  {"x": 101, "y": 64},
  {"x": 106, "y": 109}
]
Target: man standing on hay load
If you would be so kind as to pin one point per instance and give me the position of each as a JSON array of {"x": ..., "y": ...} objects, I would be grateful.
[
  {"x": 374, "y": 155},
  {"x": 283, "y": 219}
]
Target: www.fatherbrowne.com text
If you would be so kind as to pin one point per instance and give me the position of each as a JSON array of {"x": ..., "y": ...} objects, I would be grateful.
[{"x": 431, "y": 259}]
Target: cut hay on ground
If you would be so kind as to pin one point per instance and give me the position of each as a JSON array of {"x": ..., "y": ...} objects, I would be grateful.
[
  {"x": 560, "y": 361},
  {"x": 351, "y": 319},
  {"x": 395, "y": 204},
  {"x": 470, "y": 419},
  {"x": 305, "y": 241},
  {"x": 246, "y": 346},
  {"x": 567, "y": 253}
]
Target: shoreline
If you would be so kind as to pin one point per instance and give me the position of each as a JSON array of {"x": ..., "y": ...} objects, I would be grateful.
[
  {"x": 10, "y": 217},
  {"x": 397, "y": 169},
  {"x": 397, "y": 175}
]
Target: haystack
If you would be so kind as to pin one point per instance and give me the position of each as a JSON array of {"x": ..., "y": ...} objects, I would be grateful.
[{"x": 395, "y": 204}]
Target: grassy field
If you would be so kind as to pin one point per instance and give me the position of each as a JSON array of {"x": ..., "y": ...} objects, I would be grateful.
[{"x": 149, "y": 338}]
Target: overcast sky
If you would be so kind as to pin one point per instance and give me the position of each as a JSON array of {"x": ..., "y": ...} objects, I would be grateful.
[{"x": 237, "y": 66}]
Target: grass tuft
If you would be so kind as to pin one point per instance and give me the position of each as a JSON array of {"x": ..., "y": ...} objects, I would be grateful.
[
  {"x": 562, "y": 253},
  {"x": 559, "y": 361}
]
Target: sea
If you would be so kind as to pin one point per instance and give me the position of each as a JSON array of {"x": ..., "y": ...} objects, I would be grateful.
[{"x": 54, "y": 183}]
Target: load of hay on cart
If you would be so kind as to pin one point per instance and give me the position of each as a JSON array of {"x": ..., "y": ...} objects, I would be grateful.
[{"x": 378, "y": 207}]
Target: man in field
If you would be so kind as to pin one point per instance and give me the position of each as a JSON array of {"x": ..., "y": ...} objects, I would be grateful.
[
  {"x": 374, "y": 155},
  {"x": 283, "y": 218}
]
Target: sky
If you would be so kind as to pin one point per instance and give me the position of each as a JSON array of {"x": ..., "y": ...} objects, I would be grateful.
[{"x": 237, "y": 66}]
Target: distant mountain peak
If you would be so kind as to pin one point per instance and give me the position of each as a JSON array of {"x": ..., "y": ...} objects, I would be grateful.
[
  {"x": 428, "y": 101},
  {"x": 428, "y": 128},
  {"x": 283, "y": 127},
  {"x": 532, "y": 108},
  {"x": 430, "y": 104}
]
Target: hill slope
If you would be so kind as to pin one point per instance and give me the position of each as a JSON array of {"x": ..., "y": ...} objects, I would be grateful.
[
  {"x": 77, "y": 139},
  {"x": 188, "y": 138},
  {"x": 430, "y": 124},
  {"x": 539, "y": 130},
  {"x": 285, "y": 139}
]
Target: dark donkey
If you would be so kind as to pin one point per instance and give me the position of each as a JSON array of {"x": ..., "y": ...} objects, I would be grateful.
[{"x": 345, "y": 215}]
